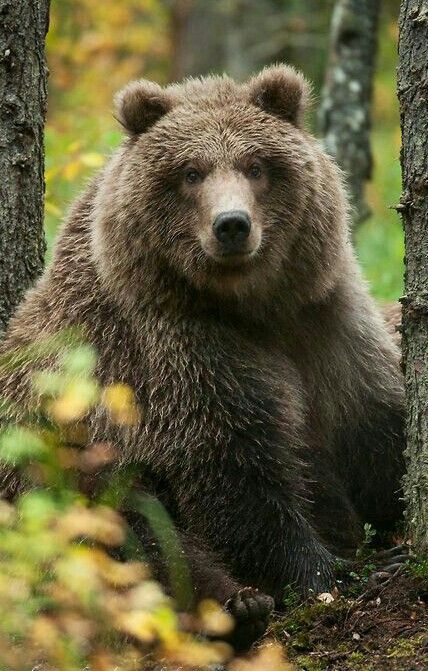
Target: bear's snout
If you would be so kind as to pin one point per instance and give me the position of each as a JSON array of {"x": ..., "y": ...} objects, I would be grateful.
[{"x": 232, "y": 229}]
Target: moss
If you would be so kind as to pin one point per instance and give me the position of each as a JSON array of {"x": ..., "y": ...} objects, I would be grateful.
[
  {"x": 298, "y": 619},
  {"x": 319, "y": 637},
  {"x": 306, "y": 663},
  {"x": 419, "y": 569},
  {"x": 291, "y": 598},
  {"x": 357, "y": 657},
  {"x": 301, "y": 641},
  {"x": 406, "y": 647}
]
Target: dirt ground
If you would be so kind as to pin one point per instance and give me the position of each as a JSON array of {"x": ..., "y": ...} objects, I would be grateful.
[{"x": 383, "y": 628}]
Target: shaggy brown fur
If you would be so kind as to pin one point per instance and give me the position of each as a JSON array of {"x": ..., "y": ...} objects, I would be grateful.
[
  {"x": 273, "y": 402},
  {"x": 391, "y": 313}
]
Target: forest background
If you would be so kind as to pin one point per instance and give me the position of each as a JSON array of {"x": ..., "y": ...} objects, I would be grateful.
[{"x": 94, "y": 48}]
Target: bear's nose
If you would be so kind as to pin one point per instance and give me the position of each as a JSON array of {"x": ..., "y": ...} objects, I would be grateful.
[{"x": 232, "y": 228}]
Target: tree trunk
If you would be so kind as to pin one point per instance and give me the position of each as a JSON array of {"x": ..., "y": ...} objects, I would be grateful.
[
  {"x": 198, "y": 38},
  {"x": 345, "y": 112},
  {"x": 23, "y": 78},
  {"x": 233, "y": 36},
  {"x": 413, "y": 96}
]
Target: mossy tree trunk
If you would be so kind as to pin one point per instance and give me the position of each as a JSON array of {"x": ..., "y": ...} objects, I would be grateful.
[
  {"x": 413, "y": 96},
  {"x": 345, "y": 111},
  {"x": 23, "y": 78}
]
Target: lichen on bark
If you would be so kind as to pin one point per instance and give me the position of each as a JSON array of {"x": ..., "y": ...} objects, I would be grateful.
[{"x": 345, "y": 110}]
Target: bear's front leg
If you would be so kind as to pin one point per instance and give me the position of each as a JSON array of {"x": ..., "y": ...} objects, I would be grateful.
[{"x": 259, "y": 531}]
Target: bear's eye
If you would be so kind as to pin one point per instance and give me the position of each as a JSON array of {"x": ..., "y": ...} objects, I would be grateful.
[
  {"x": 255, "y": 171},
  {"x": 192, "y": 176}
]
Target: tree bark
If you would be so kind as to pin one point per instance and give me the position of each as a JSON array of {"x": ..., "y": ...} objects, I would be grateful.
[
  {"x": 345, "y": 111},
  {"x": 413, "y": 96},
  {"x": 198, "y": 37},
  {"x": 23, "y": 83},
  {"x": 240, "y": 36}
]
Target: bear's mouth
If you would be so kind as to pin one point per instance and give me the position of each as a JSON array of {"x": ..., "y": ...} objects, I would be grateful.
[{"x": 233, "y": 260}]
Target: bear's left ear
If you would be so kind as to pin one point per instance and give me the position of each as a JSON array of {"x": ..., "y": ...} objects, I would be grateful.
[
  {"x": 140, "y": 104},
  {"x": 282, "y": 91}
]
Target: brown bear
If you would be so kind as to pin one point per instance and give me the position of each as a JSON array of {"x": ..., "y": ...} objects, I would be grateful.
[{"x": 210, "y": 265}]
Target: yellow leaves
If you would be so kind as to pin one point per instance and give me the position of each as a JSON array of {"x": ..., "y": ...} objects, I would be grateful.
[
  {"x": 77, "y": 398},
  {"x": 74, "y": 146},
  {"x": 148, "y": 626},
  {"x": 147, "y": 595},
  {"x": 214, "y": 620},
  {"x": 92, "y": 159},
  {"x": 52, "y": 209},
  {"x": 75, "y": 167},
  {"x": 120, "y": 574},
  {"x": 44, "y": 629},
  {"x": 195, "y": 654},
  {"x": 107, "y": 35},
  {"x": 77, "y": 573},
  {"x": 161, "y": 625},
  {"x": 72, "y": 390},
  {"x": 72, "y": 163},
  {"x": 51, "y": 174},
  {"x": 269, "y": 658},
  {"x": 71, "y": 170},
  {"x": 94, "y": 48},
  {"x": 111, "y": 14},
  {"x": 100, "y": 524},
  {"x": 120, "y": 401},
  {"x": 64, "y": 600},
  {"x": 7, "y": 513}
]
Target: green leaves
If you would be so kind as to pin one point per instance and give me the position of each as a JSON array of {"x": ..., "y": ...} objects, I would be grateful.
[{"x": 19, "y": 445}]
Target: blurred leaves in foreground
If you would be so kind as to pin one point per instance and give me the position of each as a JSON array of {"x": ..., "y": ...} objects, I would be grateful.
[{"x": 67, "y": 603}]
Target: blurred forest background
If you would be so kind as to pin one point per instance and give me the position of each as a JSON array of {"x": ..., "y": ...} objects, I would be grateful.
[{"x": 94, "y": 48}]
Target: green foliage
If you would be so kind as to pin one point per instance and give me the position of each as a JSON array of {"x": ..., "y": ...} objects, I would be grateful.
[
  {"x": 290, "y": 598},
  {"x": 379, "y": 241},
  {"x": 369, "y": 533},
  {"x": 179, "y": 576},
  {"x": 70, "y": 162},
  {"x": 419, "y": 568},
  {"x": 306, "y": 663},
  {"x": 64, "y": 601}
]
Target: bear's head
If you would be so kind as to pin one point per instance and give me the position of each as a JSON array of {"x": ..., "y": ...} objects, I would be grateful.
[{"x": 219, "y": 184}]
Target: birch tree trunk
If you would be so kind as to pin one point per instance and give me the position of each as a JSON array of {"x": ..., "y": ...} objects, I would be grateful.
[
  {"x": 413, "y": 96},
  {"x": 345, "y": 111},
  {"x": 23, "y": 78}
]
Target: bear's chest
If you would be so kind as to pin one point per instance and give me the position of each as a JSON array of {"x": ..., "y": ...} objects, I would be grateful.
[{"x": 219, "y": 393}]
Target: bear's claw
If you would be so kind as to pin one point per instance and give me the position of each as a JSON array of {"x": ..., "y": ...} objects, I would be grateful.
[{"x": 251, "y": 611}]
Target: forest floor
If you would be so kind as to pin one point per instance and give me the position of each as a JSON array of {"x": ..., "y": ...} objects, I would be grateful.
[{"x": 382, "y": 628}]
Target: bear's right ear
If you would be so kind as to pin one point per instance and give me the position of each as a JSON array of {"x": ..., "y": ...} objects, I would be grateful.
[{"x": 140, "y": 104}]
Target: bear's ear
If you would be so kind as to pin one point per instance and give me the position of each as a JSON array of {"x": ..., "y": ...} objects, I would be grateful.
[
  {"x": 282, "y": 91},
  {"x": 140, "y": 104}
]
